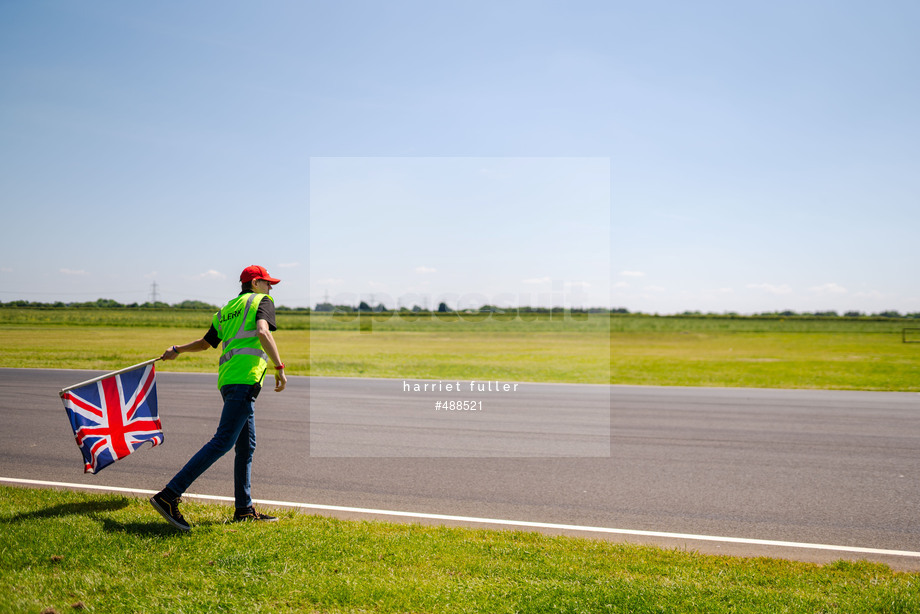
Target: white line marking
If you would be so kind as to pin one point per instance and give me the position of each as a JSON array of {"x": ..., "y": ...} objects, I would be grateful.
[{"x": 493, "y": 521}]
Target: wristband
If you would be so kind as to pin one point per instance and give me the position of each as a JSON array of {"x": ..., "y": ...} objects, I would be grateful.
[
  {"x": 279, "y": 367},
  {"x": 175, "y": 349}
]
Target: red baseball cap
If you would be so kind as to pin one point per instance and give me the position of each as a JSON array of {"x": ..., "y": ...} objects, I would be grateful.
[{"x": 257, "y": 272}]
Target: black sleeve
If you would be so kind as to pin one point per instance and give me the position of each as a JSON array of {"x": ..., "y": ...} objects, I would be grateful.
[
  {"x": 211, "y": 337},
  {"x": 266, "y": 312}
]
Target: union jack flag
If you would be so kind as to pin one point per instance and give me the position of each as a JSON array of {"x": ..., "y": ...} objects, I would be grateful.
[{"x": 114, "y": 416}]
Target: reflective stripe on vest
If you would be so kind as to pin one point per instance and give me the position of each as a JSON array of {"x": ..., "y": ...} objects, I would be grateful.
[
  {"x": 248, "y": 351},
  {"x": 242, "y": 360}
]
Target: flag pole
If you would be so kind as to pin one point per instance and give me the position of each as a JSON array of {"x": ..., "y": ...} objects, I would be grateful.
[{"x": 102, "y": 377}]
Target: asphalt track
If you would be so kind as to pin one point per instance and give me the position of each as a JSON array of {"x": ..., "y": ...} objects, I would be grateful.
[{"x": 809, "y": 467}]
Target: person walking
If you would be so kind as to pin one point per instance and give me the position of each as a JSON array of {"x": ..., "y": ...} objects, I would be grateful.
[{"x": 244, "y": 326}]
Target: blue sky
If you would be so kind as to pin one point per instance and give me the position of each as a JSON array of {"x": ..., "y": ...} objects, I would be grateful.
[
  {"x": 467, "y": 231},
  {"x": 760, "y": 156}
]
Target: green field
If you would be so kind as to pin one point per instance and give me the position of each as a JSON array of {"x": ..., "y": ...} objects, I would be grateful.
[
  {"x": 106, "y": 553},
  {"x": 429, "y": 322},
  {"x": 798, "y": 352},
  {"x": 316, "y": 564}
]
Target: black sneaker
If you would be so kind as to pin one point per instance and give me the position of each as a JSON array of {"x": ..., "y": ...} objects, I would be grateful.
[
  {"x": 168, "y": 507},
  {"x": 249, "y": 513}
]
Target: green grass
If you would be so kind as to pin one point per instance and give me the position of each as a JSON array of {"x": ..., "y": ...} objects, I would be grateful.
[
  {"x": 797, "y": 352},
  {"x": 482, "y": 322},
  {"x": 846, "y": 361},
  {"x": 107, "y": 553},
  {"x": 536, "y": 357},
  {"x": 170, "y": 318}
]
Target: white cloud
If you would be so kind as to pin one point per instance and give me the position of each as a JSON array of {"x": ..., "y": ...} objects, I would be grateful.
[
  {"x": 772, "y": 289},
  {"x": 537, "y": 280},
  {"x": 72, "y": 272},
  {"x": 654, "y": 289},
  {"x": 621, "y": 284},
  {"x": 632, "y": 273},
  {"x": 726, "y": 291},
  {"x": 829, "y": 288},
  {"x": 331, "y": 281},
  {"x": 210, "y": 274},
  {"x": 425, "y": 269}
]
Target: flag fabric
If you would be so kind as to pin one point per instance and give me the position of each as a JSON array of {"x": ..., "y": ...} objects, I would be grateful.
[{"x": 114, "y": 415}]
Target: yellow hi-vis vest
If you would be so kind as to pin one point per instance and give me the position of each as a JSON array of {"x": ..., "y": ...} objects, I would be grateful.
[{"x": 242, "y": 360}]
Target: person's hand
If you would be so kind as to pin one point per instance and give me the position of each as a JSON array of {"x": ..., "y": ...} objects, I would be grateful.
[
  {"x": 170, "y": 353},
  {"x": 280, "y": 380}
]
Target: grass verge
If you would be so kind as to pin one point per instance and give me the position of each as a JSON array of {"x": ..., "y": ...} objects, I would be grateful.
[
  {"x": 846, "y": 359},
  {"x": 70, "y": 551}
]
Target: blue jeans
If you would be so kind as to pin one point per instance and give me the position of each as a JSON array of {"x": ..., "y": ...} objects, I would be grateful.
[{"x": 236, "y": 429}]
